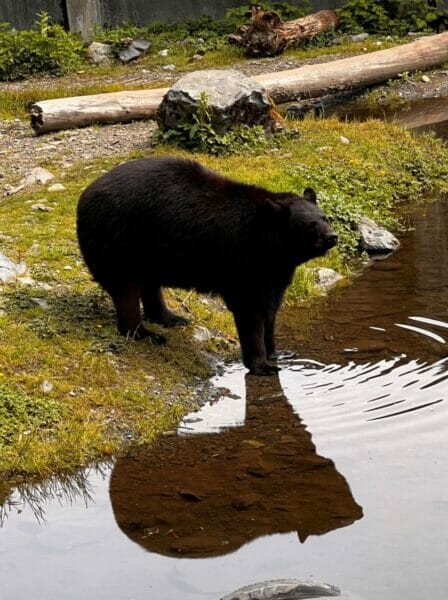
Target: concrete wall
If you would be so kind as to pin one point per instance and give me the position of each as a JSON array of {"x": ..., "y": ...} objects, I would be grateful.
[
  {"x": 23, "y": 13},
  {"x": 80, "y": 13},
  {"x": 143, "y": 11}
]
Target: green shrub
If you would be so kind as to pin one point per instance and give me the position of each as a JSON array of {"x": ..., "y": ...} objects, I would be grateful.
[
  {"x": 45, "y": 50},
  {"x": 392, "y": 16}
]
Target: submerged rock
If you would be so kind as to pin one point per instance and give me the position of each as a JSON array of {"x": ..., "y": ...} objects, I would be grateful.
[
  {"x": 376, "y": 239},
  {"x": 284, "y": 589}
]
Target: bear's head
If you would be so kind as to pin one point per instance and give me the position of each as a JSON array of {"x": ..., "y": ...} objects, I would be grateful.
[{"x": 307, "y": 230}]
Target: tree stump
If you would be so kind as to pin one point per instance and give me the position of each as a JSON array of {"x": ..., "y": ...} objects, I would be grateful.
[{"x": 268, "y": 35}]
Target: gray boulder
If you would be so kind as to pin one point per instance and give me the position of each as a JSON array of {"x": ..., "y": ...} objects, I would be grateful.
[
  {"x": 232, "y": 98},
  {"x": 376, "y": 239}
]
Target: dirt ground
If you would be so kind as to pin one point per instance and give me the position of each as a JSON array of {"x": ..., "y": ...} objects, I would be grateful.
[{"x": 21, "y": 150}]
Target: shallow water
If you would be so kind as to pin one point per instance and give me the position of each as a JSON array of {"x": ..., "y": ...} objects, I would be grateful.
[{"x": 424, "y": 115}]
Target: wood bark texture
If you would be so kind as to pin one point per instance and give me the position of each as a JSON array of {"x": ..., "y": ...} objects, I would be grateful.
[
  {"x": 268, "y": 35},
  {"x": 309, "y": 81}
]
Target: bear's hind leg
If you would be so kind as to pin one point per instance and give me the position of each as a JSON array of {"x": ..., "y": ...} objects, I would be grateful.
[
  {"x": 156, "y": 310},
  {"x": 127, "y": 304}
]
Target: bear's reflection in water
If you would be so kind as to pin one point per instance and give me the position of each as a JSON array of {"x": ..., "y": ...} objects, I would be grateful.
[{"x": 209, "y": 494}]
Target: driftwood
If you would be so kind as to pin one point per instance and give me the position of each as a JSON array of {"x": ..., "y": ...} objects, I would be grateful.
[
  {"x": 268, "y": 35},
  {"x": 309, "y": 81}
]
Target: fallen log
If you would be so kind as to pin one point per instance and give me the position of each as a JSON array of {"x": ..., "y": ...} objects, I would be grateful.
[
  {"x": 81, "y": 111},
  {"x": 309, "y": 81},
  {"x": 268, "y": 35}
]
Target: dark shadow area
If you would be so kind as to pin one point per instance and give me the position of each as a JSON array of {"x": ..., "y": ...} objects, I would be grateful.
[{"x": 207, "y": 495}]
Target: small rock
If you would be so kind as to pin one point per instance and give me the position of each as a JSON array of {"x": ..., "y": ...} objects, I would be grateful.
[
  {"x": 37, "y": 175},
  {"x": 9, "y": 271},
  {"x": 141, "y": 45},
  {"x": 326, "y": 278},
  {"x": 375, "y": 239},
  {"x": 344, "y": 140},
  {"x": 196, "y": 57},
  {"x": 46, "y": 386},
  {"x": 40, "y": 207},
  {"x": 56, "y": 187},
  {"x": 99, "y": 54},
  {"x": 41, "y": 302},
  {"x": 200, "y": 40},
  {"x": 426, "y": 79},
  {"x": 169, "y": 67},
  {"x": 164, "y": 52},
  {"x": 284, "y": 589},
  {"x": 359, "y": 37},
  {"x": 201, "y": 334},
  {"x": 129, "y": 54}
]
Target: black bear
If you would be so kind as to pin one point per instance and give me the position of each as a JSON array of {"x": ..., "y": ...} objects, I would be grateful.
[{"x": 171, "y": 222}]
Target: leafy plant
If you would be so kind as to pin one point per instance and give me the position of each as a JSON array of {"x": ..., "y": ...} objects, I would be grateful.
[
  {"x": 392, "y": 16},
  {"x": 47, "y": 49}
]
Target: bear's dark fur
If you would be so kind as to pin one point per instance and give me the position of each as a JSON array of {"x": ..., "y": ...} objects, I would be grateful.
[{"x": 161, "y": 222}]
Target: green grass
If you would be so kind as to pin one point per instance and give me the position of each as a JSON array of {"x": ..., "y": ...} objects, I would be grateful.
[{"x": 106, "y": 391}]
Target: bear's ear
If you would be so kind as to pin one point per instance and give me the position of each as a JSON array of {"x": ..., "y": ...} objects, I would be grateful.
[{"x": 310, "y": 195}]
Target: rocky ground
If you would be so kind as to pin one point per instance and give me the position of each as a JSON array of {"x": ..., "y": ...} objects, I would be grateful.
[{"x": 21, "y": 150}]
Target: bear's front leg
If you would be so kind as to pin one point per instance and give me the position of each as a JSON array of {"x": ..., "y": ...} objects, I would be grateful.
[{"x": 251, "y": 331}]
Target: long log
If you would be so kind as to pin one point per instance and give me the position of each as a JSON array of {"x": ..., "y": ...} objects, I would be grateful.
[
  {"x": 268, "y": 35},
  {"x": 81, "y": 111},
  {"x": 309, "y": 81}
]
